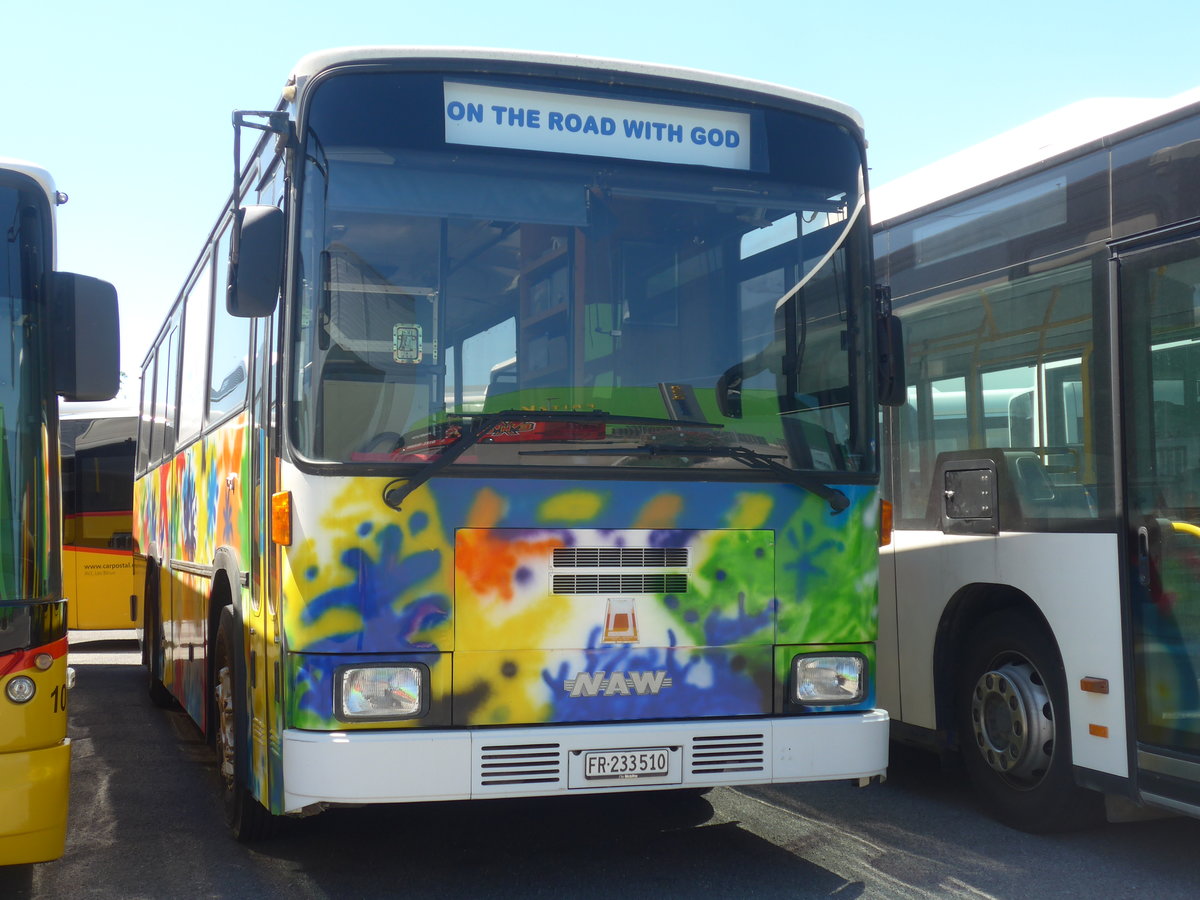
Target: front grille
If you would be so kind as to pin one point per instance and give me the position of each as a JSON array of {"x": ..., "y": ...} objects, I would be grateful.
[
  {"x": 620, "y": 557},
  {"x": 725, "y": 753},
  {"x": 520, "y": 764},
  {"x": 651, "y": 583}
]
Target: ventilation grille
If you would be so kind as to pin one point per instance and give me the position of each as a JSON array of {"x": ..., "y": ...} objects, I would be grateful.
[
  {"x": 620, "y": 557},
  {"x": 520, "y": 764},
  {"x": 715, "y": 754},
  {"x": 620, "y": 584}
]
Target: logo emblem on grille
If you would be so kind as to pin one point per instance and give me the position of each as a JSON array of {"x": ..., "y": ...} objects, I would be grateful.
[
  {"x": 623, "y": 684},
  {"x": 620, "y": 621}
]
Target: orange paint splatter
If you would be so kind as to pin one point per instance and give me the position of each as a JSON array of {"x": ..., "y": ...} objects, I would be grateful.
[
  {"x": 660, "y": 512},
  {"x": 486, "y": 511},
  {"x": 489, "y": 564}
]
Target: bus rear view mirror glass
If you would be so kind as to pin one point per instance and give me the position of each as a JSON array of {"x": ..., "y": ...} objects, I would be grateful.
[
  {"x": 86, "y": 338},
  {"x": 255, "y": 261}
]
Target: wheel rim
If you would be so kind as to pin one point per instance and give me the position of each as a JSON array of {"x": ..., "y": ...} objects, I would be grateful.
[
  {"x": 1013, "y": 722},
  {"x": 225, "y": 733}
]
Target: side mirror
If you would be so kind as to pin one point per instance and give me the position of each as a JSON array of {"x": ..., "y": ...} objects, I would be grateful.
[
  {"x": 255, "y": 262},
  {"x": 85, "y": 338},
  {"x": 890, "y": 389},
  {"x": 729, "y": 392}
]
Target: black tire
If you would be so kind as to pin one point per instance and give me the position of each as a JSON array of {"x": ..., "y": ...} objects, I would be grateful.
[
  {"x": 248, "y": 820},
  {"x": 153, "y": 639},
  {"x": 1014, "y": 730}
]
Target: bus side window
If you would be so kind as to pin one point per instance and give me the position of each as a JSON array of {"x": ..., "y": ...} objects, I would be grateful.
[
  {"x": 230, "y": 348},
  {"x": 162, "y": 428},
  {"x": 195, "y": 353},
  {"x": 146, "y": 416}
]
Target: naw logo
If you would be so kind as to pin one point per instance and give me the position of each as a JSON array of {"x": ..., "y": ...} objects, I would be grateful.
[{"x": 618, "y": 684}]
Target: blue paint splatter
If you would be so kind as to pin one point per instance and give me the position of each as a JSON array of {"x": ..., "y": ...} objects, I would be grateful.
[
  {"x": 722, "y": 631},
  {"x": 377, "y": 586},
  {"x": 727, "y": 693}
]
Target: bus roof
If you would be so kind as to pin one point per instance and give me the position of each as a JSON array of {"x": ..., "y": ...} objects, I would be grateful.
[
  {"x": 1057, "y": 134},
  {"x": 86, "y": 425},
  {"x": 46, "y": 183},
  {"x": 97, "y": 409},
  {"x": 37, "y": 173},
  {"x": 314, "y": 63}
]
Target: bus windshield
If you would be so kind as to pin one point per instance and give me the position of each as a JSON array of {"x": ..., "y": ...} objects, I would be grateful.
[
  {"x": 25, "y": 570},
  {"x": 690, "y": 307}
]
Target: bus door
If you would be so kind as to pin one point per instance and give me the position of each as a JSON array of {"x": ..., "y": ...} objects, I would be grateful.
[
  {"x": 263, "y": 612},
  {"x": 1158, "y": 330}
]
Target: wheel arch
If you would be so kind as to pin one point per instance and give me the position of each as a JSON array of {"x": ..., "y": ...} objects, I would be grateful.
[
  {"x": 227, "y": 581},
  {"x": 970, "y": 605},
  {"x": 150, "y": 600}
]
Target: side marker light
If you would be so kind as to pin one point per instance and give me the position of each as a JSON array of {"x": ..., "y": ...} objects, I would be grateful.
[{"x": 281, "y": 518}]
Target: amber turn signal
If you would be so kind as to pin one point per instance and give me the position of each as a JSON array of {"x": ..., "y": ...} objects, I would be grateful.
[
  {"x": 281, "y": 518},
  {"x": 885, "y": 522}
]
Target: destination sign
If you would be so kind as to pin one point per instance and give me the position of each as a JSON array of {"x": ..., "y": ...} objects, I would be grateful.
[{"x": 517, "y": 119}]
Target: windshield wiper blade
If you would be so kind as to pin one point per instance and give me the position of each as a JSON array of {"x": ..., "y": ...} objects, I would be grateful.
[
  {"x": 752, "y": 459},
  {"x": 474, "y": 427}
]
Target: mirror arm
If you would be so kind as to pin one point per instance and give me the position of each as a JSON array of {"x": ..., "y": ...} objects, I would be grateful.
[
  {"x": 277, "y": 123},
  {"x": 890, "y": 385}
]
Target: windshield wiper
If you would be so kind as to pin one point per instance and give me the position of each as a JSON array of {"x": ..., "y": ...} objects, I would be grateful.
[
  {"x": 474, "y": 427},
  {"x": 750, "y": 458}
]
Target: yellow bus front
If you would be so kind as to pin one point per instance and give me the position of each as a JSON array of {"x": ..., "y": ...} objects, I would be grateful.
[{"x": 35, "y": 754}]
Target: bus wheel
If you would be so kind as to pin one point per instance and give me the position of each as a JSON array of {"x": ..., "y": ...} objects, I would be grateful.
[
  {"x": 248, "y": 819},
  {"x": 1014, "y": 731}
]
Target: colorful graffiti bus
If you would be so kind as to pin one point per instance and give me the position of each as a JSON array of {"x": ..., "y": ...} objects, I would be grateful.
[
  {"x": 1039, "y": 603},
  {"x": 98, "y": 447},
  {"x": 62, "y": 340},
  {"x": 529, "y": 444}
]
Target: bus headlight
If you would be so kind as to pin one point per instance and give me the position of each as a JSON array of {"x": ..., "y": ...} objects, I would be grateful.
[
  {"x": 823, "y": 679},
  {"x": 21, "y": 689},
  {"x": 381, "y": 692}
]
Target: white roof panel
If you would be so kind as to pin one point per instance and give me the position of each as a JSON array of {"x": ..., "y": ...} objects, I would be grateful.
[
  {"x": 313, "y": 63},
  {"x": 1036, "y": 141}
]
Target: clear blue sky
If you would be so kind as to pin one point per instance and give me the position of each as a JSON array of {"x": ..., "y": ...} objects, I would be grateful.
[{"x": 127, "y": 103}]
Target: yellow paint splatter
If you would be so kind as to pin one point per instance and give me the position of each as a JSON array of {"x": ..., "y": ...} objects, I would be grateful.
[
  {"x": 572, "y": 506},
  {"x": 751, "y": 511}
]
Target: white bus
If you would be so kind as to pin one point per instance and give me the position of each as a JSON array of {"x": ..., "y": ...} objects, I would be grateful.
[{"x": 1040, "y": 600}]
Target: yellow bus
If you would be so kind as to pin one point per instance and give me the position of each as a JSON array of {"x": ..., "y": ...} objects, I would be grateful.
[
  {"x": 97, "y": 442},
  {"x": 62, "y": 340}
]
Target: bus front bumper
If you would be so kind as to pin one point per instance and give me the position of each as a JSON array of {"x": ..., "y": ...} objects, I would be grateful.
[
  {"x": 357, "y": 767},
  {"x": 34, "y": 790}
]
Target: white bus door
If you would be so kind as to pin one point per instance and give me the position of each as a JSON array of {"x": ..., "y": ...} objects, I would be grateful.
[{"x": 1159, "y": 335}]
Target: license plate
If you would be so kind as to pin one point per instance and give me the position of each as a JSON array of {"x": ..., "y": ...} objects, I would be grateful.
[{"x": 616, "y": 765}]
